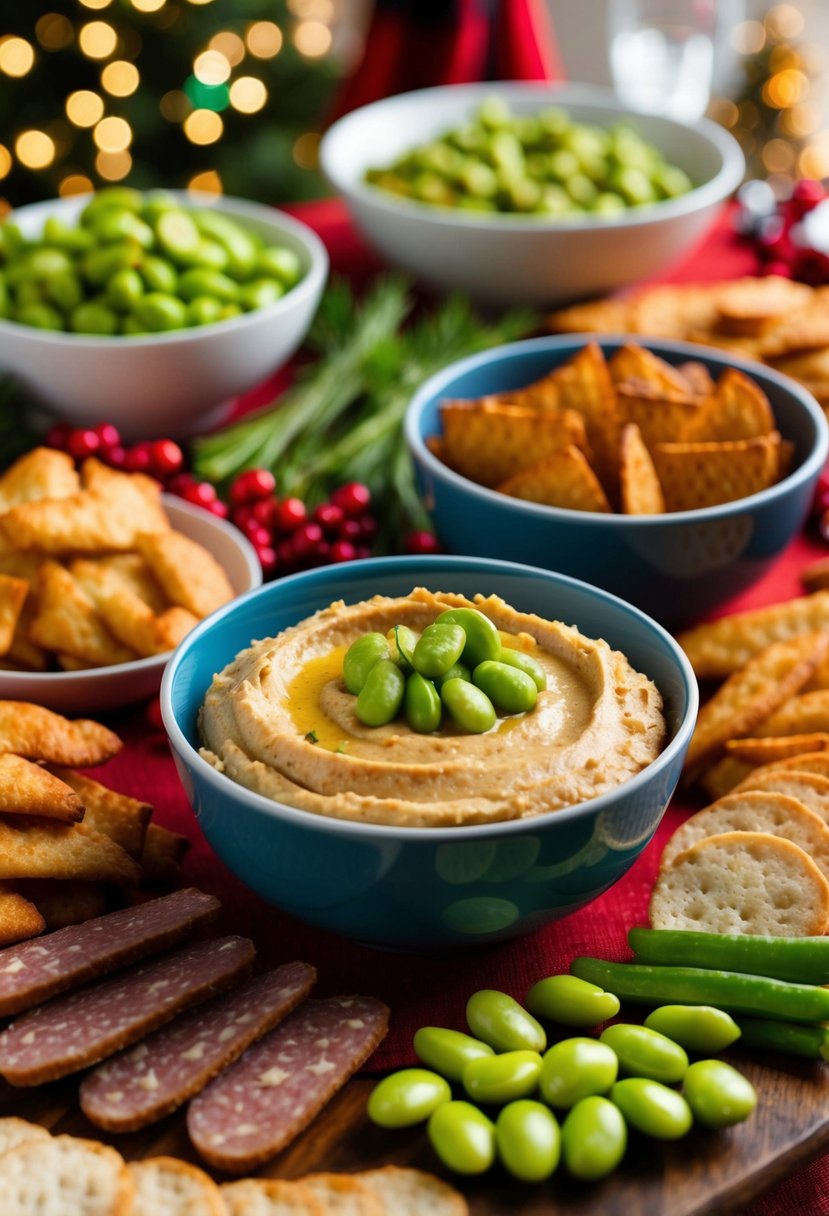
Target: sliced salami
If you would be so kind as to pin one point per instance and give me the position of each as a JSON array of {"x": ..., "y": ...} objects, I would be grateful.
[
  {"x": 84, "y": 1027},
  {"x": 164, "y": 1070},
  {"x": 267, "y": 1097},
  {"x": 45, "y": 966}
]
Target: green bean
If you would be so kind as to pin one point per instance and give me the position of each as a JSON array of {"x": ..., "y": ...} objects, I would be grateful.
[
  {"x": 100, "y": 264},
  {"x": 40, "y": 316},
  {"x": 699, "y": 1028},
  {"x": 158, "y": 274},
  {"x": 158, "y": 312},
  {"x": 204, "y": 310},
  {"x": 241, "y": 248},
  {"x": 407, "y": 1097},
  {"x": 422, "y": 704},
  {"x": 124, "y": 289},
  {"x": 528, "y": 1140},
  {"x": 571, "y": 1001},
  {"x": 652, "y": 1108},
  {"x": 718, "y": 1095},
  {"x": 65, "y": 290},
  {"x": 380, "y": 698},
  {"x": 509, "y": 689},
  {"x": 524, "y": 662},
  {"x": 43, "y": 263},
  {"x": 448, "y": 1051},
  {"x": 646, "y": 1053},
  {"x": 593, "y": 1139},
  {"x": 93, "y": 317},
  {"x": 577, "y": 1068},
  {"x": 438, "y": 647},
  {"x": 260, "y": 293},
  {"x": 498, "y": 1019},
  {"x": 468, "y": 706},
  {"x": 176, "y": 233},
  {"x": 736, "y": 993},
  {"x": 482, "y": 638},
  {"x": 115, "y": 224},
  {"x": 402, "y": 641},
  {"x": 801, "y": 960},
  {"x": 502, "y": 1078},
  {"x": 458, "y": 671},
  {"x": 360, "y": 657},
  {"x": 462, "y": 1137},
  {"x": 280, "y": 263},
  {"x": 790, "y": 1038},
  {"x": 200, "y": 282},
  {"x": 209, "y": 255},
  {"x": 74, "y": 240}
]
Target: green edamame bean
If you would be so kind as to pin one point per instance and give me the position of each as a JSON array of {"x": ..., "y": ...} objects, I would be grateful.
[
  {"x": 456, "y": 672},
  {"x": 507, "y": 687},
  {"x": 239, "y": 245},
  {"x": 524, "y": 662},
  {"x": 111, "y": 196},
  {"x": 402, "y": 641},
  {"x": 208, "y": 254},
  {"x": 482, "y": 638},
  {"x": 646, "y": 1053},
  {"x": 29, "y": 291},
  {"x": 93, "y": 318},
  {"x": 280, "y": 263},
  {"x": 652, "y": 1108},
  {"x": 502, "y": 1078},
  {"x": 469, "y": 707},
  {"x": 438, "y": 647},
  {"x": 75, "y": 240},
  {"x": 577, "y": 1068},
  {"x": 499, "y": 1020},
  {"x": 380, "y": 698},
  {"x": 64, "y": 290},
  {"x": 158, "y": 312},
  {"x": 593, "y": 1139},
  {"x": 699, "y": 1028},
  {"x": 462, "y": 1137},
  {"x": 204, "y": 310},
  {"x": 718, "y": 1095},
  {"x": 43, "y": 263},
  {"x": 124, "y": 289},
  {"x": 422, "y": 704},
  {"x": 260, "y": 293},
  {"x": 229, "y": 311},
  {"x": 361, "y": 657},
  {"x": 117, "y": 224},
  {"x": 407, "y": 1097},
  {"x": 200, "y": 282},
  {"x": 449, "y": 1051},
  {"x": 41, "y": 316},
  {"x": 528, "y": 1140},
  {"x": 571, "y": 1001},
  {"x": 132, "y": 327},
  {"x": 99, "y": 265},
  {"x": 158, "y": 274},
  {"x": 155, "y": 204},
  {"x": 176, "y": 233}
]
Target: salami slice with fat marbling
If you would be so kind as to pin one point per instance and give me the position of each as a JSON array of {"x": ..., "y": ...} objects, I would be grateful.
[
  {"x": 45, "y": 966},
  {"x": 84, "y": 1027},
  {"x": 160, "y": 1073},
  {"x": 275, "y": 1089}
]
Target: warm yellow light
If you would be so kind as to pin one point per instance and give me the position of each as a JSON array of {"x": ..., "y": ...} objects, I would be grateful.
[
  {"x": 5, "y": 208},
  {"x": 321, "y": 10},
  {"x": 148, "y": 6},
  {"x": 211, "y": 67},
  {"x": 112, "y": 166},
  {"x": 305, "y": 150},
  {"x": 120, "y": 78},
  {"x": 75, "y": 183},
  {"x": 5, "y": 161},
  {"x": 175, "y": 105},
  {"x": 800, "y": 120},
  {"x": 813, "y": 161},
  {"x": 312, "y": 39},
  {"x": 208, "y": 182},
  {"x": 748, "y": 37},
  {"x": 264, "y": 39},
  {"x": 98, "y": 40},
  {"x": 724, "y": 111},
  {"x": 113, "y": 134},
  {"x": 778, "y": 156},
  {"x": 203, "y": 127},
  {"x": 54, "y": 31},
  {"x": 201, "y": 1},
  {"x": 34, "y": 149},
  {"x": 230, "y": 45},
  {"x": 786, "y": 89},
  {"x": 96, "y": 3},
  {"x": 248, "y": 94},
  {"x": 16, "y": 56},
  {"x": 784, "y": 21},
  {"x": 84, "y": 108}
]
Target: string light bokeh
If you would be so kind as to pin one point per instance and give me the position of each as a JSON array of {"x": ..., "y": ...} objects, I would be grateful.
[{"x": 217, "y": 95}]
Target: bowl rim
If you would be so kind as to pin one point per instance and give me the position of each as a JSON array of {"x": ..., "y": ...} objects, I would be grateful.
[
  {"x": 190, "y": 757},
  {"x": 304, "y": 292},
  {"x": 118, "y": 671},
  {"x": 706, "y": 194},
  {"x": 687, "y": 351}
]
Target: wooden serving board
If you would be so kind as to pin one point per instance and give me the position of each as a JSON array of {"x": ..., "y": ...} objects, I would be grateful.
[{"x": 706, "y": 1173}]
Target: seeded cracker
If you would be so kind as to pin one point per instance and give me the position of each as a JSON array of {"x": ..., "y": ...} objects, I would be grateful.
[
  {"x": 641, "y": 493},
  {"x": 489, "y": 441},
  {"x": 165, "y": 1186},
  {"x": 270, "y": 1197},
  {"x": 65, "y": 1176},
  {"x": 564, "y": 479}
]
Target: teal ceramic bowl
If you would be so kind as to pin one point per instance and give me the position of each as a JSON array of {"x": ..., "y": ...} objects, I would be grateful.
[
  {"x": 677, "y": 567},
  {"x": 421, "y": 889}
]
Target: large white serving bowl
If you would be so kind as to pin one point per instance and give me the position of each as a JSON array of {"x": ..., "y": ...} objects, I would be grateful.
[
  {"x": 103, "y": 688},
  {"x": 168, "y": 383},
  {"x": 510, "y": 259}
]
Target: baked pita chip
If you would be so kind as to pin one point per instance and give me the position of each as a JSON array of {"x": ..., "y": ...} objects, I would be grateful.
[
  {"x": 64, "y": 902},
  {"x": 13, "y": 592},
  {"x": 162, "y": 856},
  {"x": 811, "y": 367},
  {"x": 132, "y": 573},
  {"x": 584, "y": 385},
  {"x": 123, "y": 819},
  {"x": 23, "y": 652},
  {"x": 673, "y": 311},
  {"x": 697, "y": 378},
  {"x": 751, "y": 307},
  {"x": 67, "y": 620},
  {"x": 41, "y": 473},
  {"x": 632, "y": 362},
  {"x": 126, "y": 616},
  {"x": 762, "y": 751},
  {"x": 40, "y": 849},
  {"x": 489, "y": 442},
  {"x": 738, "y": 409},
  {"x": 564, "y": 479},
  {"x": 172, "y": 626},
  {"x": 641, "y": 493},
  {"x": 807, "y": 330},
  {"x": 607, "y": 316},
  {"x": 19, "y": 918},
  {"x": 660, "y": 418},
  {"x": 28, "y": 789},
  {"x": 39, "y": 734},
  {"x": 721, "y": 647},
  {"x": 806, "y": 714},
  {"x": 695, "y": 475},
  {"x": 190, "y": 576}
]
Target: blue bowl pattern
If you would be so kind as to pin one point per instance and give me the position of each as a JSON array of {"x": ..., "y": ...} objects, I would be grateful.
[
  {"x": 676, "y": 567},
  {"x": 421, "y": 889}
]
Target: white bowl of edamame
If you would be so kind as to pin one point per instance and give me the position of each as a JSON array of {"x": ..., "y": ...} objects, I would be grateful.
[
  {"x": 503, "y": 224},
  {"x": 148, "y": 344}
]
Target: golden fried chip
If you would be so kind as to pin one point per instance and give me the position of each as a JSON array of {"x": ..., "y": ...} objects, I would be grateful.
[
  {"x": 806, "y": 714},
  {"x": 762, "y": 751},
  {"x": 129, "y": 619},
  {"x": 806, "y": 762},
  {"x": 19, "y": 918},
  {"x": 695, "y": 475},
  {"x": 750, "y": 307},
  {"x": 488, "y": 442},
  {"x": 749, "y": 348},
  {"x": 38, "y": 849},
  {"x": 641, "y": 493},
  {"x": 673, "y": 311},
  {"x": 810, "y": 367},
  {"x": 132, "y": 573},
  {"x": 23, "y": 652},
  {"x": 805, "y": 330},
  {"x": 721, "y": 647},
  {"x": 41, "y": 473},
  {"x": 121, "y": 818},
  {"x": 190, "y": 576},
  {"x": 608, "y": 316},
  {"x": 67, "y": 620},
  {"x": 697, "y": 378},
  {"x": 162, "y": 856},
  {"x": 28, "y": 789},
  {"x": 63, "y": 902},
  {"x": 13, "y": 592},
  {"x": 632, "y": 362},
  {"x": 585, "y": 385},
  {"x": 39, "y": 734},
  {"x": 660, "y": 418},
  {"x": 172, "y": 626},
  {"x": 564, "y": 479},
  {"x": 738, "y": 409},
  {"x": 751, "y": 694}
]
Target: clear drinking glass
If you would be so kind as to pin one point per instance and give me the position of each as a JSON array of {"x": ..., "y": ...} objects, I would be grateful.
[{"x": 662, "y": 54}]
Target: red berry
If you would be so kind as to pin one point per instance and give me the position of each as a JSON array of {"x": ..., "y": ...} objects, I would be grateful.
[
  {"x": 808, "y": 191},
  {"x": 289, "y": 514},
  {"x": 219, "y": 508},
  {"x": 57, "y": 435},
  {"x": 242, "y": 517},
  {"x": 421, "y": 542},
  {"x": 285, "y": 554},
  {"x": 252, "y": 485},
  {"x": 138, "y": 458},
  {"x": 180, "y": 483},
  {"x": 115, "y": 457},
  {"x": 362, "y": 551},
  {"x": 329, "y": 516},
  {"x": 109, "y": 435},
  {"x": 202, "y": 494},
  {"x": 166, "y": 457},
  {"x": 321, "y": 553},
  {"x": 258, "y": 536},
  {"x": 350, "y": 529},
  {"x": 262, "y": 512},
  {"x": 305, "y": 538},
  {"x": 353, "y": 497},
  {"x": 82, "y": 443},
  {"x": 343, "y": 551},
  {"x": 368, "y": 527}
]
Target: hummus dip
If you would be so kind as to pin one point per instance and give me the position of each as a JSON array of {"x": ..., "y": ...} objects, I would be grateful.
[{"x": 280, "y": 721}]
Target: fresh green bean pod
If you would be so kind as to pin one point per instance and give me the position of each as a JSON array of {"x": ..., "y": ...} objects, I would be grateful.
[
  {"x": 801, "y": 960},
  {"x": 810, "y": 1042}
]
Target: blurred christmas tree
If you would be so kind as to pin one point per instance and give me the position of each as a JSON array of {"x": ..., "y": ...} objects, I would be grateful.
[{"x": 215, "y": 94}]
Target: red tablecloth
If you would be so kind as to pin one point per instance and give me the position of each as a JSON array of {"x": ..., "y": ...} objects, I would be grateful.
[{"x": 420, "y": 990}]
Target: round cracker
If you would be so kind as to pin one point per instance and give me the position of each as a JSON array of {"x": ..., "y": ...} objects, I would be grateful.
[
  {"x": 176, "y": 1188},
  {"x": 65, "y": 1176},
  {"x": 742, "y": 882},
  {"x": 412, "y": 1192},
  {"x": 756, "y": 811},
  {"x": 14, "y": 1131},
  {"x": 811, "y": 789},
  {"x": 270, "y": 1197}
]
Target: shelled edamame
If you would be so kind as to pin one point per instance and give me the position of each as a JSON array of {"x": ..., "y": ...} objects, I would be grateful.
[
  {"x": 458, "y": 663},
  {"x": 139, "y": 264},
  {"x": 544, "y": 165}
]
